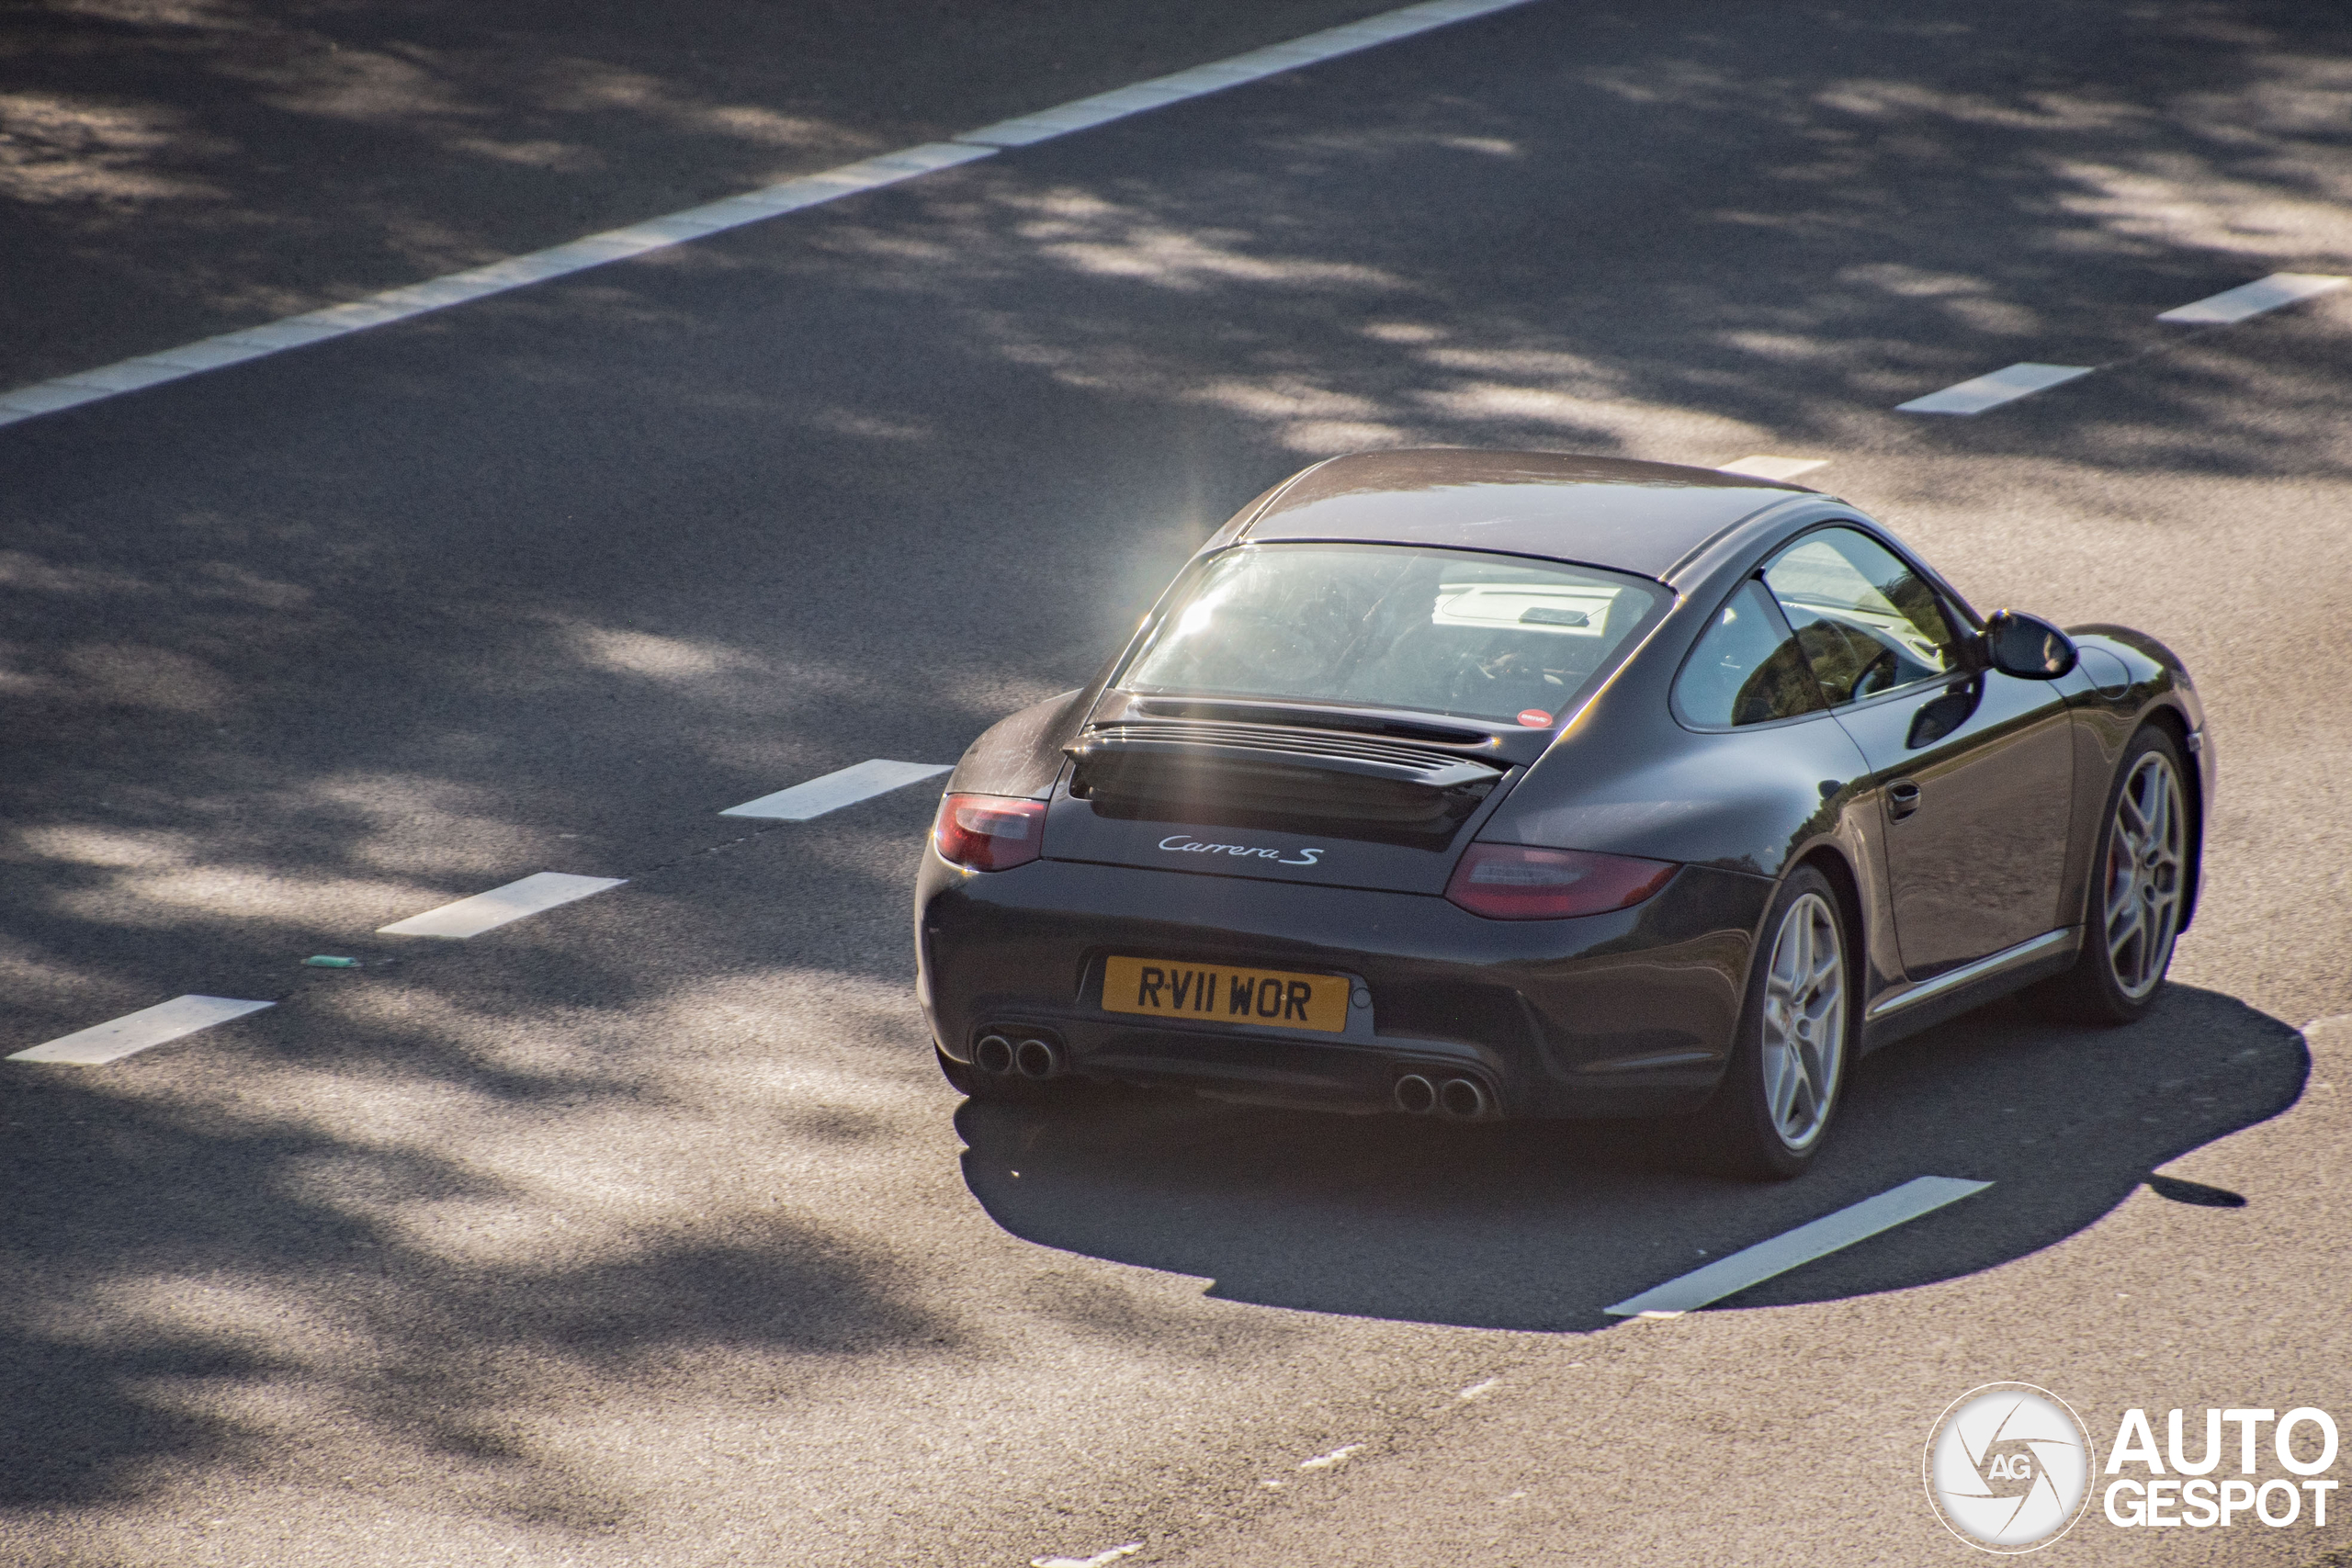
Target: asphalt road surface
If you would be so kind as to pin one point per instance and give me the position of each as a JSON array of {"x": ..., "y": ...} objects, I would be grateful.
[
  {"x": 643, "y": 1231},
  {"x": 174, "y": 169}
]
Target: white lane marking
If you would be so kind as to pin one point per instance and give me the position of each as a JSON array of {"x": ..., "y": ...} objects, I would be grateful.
[
  {"x": 515, "y": 272},
  {"x": 104, "y": 1043},
  {"x": 2253, "y": 298},
  {"x": 1082, "y": 114},
  {"x": 1100, "y": 1560},
  {"x": 808, "y": 191},
  {"x": 1819, "y": 1238},
  {"x": 847, "y": 787},
  {"x": 1325, "y": 1462},
  {"x": 485, "y": 911},
  {"x": 1990, "y": 391},
  {"x": 1763, "y": 466}
]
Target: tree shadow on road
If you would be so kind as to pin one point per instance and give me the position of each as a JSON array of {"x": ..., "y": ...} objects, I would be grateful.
[
  {"x": 1540, "y": 1225},
  {"x": 171, "y": 170},
  {"x": 226, "y": 1301},
  {"x": 318, "y": 641}
]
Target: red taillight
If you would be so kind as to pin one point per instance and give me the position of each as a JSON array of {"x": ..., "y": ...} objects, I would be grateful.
[
  {"x": 988, "y": 833},
  {"x": 1513, "y": 882}
]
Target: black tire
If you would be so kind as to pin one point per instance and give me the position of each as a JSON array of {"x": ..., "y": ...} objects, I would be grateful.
[
  {"x": 1747, "y": 1134},
  {"x": 2095, "y": 991}
]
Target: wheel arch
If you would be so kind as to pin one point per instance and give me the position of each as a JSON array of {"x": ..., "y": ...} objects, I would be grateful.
[
  {"x": 1739, "y": 1105},
  {"x": 2175, "y": 724},
  {"x": 1829, "y": 859}
]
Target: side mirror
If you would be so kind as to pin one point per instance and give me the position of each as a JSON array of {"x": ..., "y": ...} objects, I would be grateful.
[{"x": 2027, "y": 647}]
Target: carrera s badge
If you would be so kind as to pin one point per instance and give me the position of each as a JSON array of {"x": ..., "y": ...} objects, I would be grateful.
[{"x": 1184, "y": 843}]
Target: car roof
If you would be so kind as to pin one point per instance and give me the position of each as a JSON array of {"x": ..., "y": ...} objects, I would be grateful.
[{"x": 1608, "y": 512}]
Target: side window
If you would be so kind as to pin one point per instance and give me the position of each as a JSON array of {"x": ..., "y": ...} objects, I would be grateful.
[
  {"x": 1866, "y": 621},
  {"x": 1746, "y": 668}
]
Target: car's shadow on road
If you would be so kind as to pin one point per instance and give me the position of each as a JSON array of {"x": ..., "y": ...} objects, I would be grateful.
[{"x": 1540, "y": 1225}]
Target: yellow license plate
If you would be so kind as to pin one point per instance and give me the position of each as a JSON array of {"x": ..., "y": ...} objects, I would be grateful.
[{"x": 1221, "y": 993}]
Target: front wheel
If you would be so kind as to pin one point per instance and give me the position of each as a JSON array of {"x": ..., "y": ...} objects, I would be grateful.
[
  {"x": 2139, "y": 885},
  {"x": 1788, "y": 1061}
]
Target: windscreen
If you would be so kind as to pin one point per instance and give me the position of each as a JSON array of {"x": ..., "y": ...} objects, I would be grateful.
[{"x": 1498, "y": 638}]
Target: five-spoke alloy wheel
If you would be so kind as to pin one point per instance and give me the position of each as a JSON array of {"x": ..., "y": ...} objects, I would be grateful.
[
  {"x": 1789, "y": 1061},
  {"x": 2146, "y": 848},
  {"x": 2141, "y": 877},
  {"x": 1804, "y": 1020}
]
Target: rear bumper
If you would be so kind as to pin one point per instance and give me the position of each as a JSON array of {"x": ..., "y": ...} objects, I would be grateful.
[{"x": 1629, "y": 1013}]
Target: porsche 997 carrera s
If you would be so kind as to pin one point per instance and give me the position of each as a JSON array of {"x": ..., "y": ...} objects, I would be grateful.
[{"x": 1496, "y": 784}]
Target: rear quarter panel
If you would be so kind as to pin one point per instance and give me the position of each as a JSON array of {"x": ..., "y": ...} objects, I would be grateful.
[
  {"x": 1022, "y": 754},
  {"x": 1627, "y": 778}
]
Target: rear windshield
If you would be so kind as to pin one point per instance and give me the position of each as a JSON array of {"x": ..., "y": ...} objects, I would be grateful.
[{"x": 1386, "y": 626}]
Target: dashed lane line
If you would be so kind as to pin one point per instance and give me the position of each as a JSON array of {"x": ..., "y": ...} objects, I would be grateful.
[
  {"x": 1818, "y": 1238},
  {"x": 861, "y": 781},
  {"x": 487, "y": 912},
  {"x": 1764, "y": 465},
  {"x": 2253, "y": 298},
  {"x": 136, "y": 1031},
  {"x": 791, "y": 196},
  {"x": 1100, "y": 1560},
  {"x": 2230, "y": 306},
  {"x": 157, "y": 1025},
  {"x": 1991, "y": 391},
  {"x": 1337, "y": 1456}
]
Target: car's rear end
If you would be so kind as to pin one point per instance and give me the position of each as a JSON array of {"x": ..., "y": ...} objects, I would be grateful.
[
  {"x": 1257, "y": 861},
  {"x": 1357, "y": 999}
]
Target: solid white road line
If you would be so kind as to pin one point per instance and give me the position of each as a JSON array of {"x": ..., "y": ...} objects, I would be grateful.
[
  {"x": 835, "y": 790},
  {"x": 105, "y": 1043},
  {"x": 517, "y": 271},
  {"x": 1990, "y": 391},
  {"x": 654, "y": 234},
  {"x": 1102, "y": 107},
  {"x": 1831, "y": 1233},
  {"x": 486, "y": 911},
  {"x": 1763, "y": 466},
  {"x": 2253, "y": 298}
]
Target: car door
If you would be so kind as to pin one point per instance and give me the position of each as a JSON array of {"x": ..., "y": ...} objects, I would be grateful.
[{"x": 1973, "y": 768}]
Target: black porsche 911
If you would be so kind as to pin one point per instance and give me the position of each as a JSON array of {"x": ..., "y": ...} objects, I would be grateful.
[{"x": 1484, "y": 784}]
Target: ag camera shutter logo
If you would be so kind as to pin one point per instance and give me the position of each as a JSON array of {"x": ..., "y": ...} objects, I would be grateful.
[{"x": 2008, "y": 1467}]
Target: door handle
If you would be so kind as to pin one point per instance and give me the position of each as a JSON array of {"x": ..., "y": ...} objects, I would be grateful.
[{"x": 1902, "y": 798}]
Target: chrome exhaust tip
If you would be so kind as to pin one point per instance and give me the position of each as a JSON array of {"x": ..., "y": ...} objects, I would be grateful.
[
  {"x": 1416, "y": 1096},
  {"x": 1037, "y": 1058},
  {"x": 993, "y": 1055},
  {"x": 1464, "y": 1100}
]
